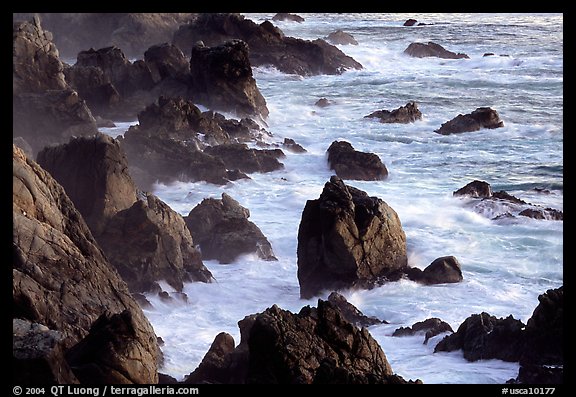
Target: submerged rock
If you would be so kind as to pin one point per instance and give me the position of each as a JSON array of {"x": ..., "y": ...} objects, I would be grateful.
[
  {"x": 431, "y": 327},
  {"x": 445, "y": 269},
  {"x": 286, "y": 16},
  {"x": 341, "y": 37},
  {"x": 404, "y": 114},
  {"x": 348, "y": 239},
  {"x": 430, "y": 49}
]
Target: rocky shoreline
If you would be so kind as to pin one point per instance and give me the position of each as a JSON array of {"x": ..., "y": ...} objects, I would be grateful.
[{"x": 89, "y": 238}]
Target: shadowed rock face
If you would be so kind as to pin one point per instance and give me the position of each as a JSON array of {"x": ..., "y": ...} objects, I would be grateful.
[
  {"x": 45, "y": 109},
  {"x": 61, "y": 279},
  {"x": 347, "y": 239},
  {"x": 142, "y": 236},
  {"x": 267, "y": 43},
  {"x": 317, "y": 345},
  {"x": 404, "y": 114}
]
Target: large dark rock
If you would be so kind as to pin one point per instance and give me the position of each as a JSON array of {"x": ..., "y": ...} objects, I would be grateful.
[
  {"x": 445, "y": 269},
  {"x": 430, "y": 49},
  {"x": 45, "y": 110},
  {"x": 142, "y": 237},
  {"x": 317, "y": 345},
  {"x": 61, "y": 278},
  {"x": 268, "y": 45},
  {"x": 133, "y": 32},
  {"x": 475, "y": 188},
  {"x": 166, "y": 61},
  {"x": 223, "y": 231},
  {"x": 349, "y": 163},
  {"x": 286, "y": 16},
  {"x": 348, "y": 239},
  {"x": 222, "y": 79},
  {"x": 542, "y": 359},
  {"x": 480, "y": 118},
  {"x": 94, "y": 173},
  {"x": 404, "y": 114},
  {"x": 483, "y": 337}
]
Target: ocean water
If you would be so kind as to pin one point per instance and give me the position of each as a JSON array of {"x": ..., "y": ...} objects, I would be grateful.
[{"x": 506, "y": 264}]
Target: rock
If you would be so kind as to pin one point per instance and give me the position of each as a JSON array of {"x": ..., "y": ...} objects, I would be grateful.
[
  {"x": 351, "y": 312},
  {"x": 45, "y": 110},
  {"x": 237, "y": 156},
  {"x": 61, "y": 278},
  {"x": 404, "y": 114},
  {"x": 166, "y": 61},
  {"x": 480, "y": 118},
  {"x": 133, "y": 32},
  {"x": 545, "y": 213},
  {"x": 410, "y": 22},
  {"x": 340, "y": 37},
  {"x": 114, "y": 352},
  {"x": 322, "y": 103},
  {"x": 442, "y": 270},
  {"x": 143, "y": 238},
  {"x": 317, "y": 345},
  {"x": 164, "y": 379},
  {"x": 291, "y": 145},
  {"x": 542, "y": 359},
  {"x": 223, "y": 231},
  {"x": 94, "y": 173},
  {"x": 149, "y": 242},
  {"x": 349, "y": 163},
  {"x": 221, "y": 77},
  {"x": 38, "y": 355},
  {"x": 348, "y": 239},
  {"x": 483, "y": 337},
  {"x": 431, "y": 326},
  {"x": 213, "y": 366},
  {"x": 24, "y": 146},
  {"x": 475, "y": 188},
  {"x": 430, "y": 49},
  {"x": 268, "y": 45},
  {"x": 285, "y": 16}
]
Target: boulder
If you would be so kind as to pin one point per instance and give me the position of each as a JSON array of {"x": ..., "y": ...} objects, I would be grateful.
[
  {"x": 322, "y": 103},
  {"x": 286, "y": 16},
  {"x": 431, "y": 327},
  {"x": 483, "y": 337},
  {"x": 480, "y": 118},
  {"x": 348, "y": 239},
  {"x": 166, "y": 61},
  {"x": 291, "y": 145},
  {"x": 410, "y": 22},
  {"x": 349, "y": 163},
  {"x": 221, "y": 78},
  {"x": 268, "y": 45},
  {"x": 317, "y": 345},
  {"x": 442, "y": 270},
  {"x": 61, "y": 278},
  {"x": 341, "y": 37},
  {"x": 430, "y": 49},
  {"x": 404, "y": 114},
  {"x": 223, "y": 231},
  {"x": 351, "y": 312}
]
